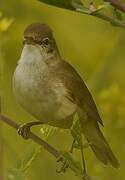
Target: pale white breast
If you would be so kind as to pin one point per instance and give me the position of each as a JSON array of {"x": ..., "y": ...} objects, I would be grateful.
[
  {"x": 28, "y": 84},
  {"x": 32, "y": 92}
]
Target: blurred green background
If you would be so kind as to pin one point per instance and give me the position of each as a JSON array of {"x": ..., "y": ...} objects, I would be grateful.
[{"x": 97, "y": 50}]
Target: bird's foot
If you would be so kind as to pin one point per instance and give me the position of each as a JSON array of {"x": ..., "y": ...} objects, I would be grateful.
[
  {"x": 64, "y": 166},
  {"x": 24, "y": 130}
]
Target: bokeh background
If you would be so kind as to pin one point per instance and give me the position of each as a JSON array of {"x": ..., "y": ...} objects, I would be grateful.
[{"x": 97, "y": 50}]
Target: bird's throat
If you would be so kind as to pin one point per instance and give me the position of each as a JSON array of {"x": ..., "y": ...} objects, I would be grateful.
[{"x": 35, "y": 54}]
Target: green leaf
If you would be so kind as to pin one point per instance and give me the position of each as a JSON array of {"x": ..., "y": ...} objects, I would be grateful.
[
  {"x": 117, "y": 14},
  {"x": 48, "y": 131},
  {"x": 29, "y": 158},
  {"x": 76, "y": 130},
  {"x": 103, "y": 6},
  {"x": 23, "y": 164},
  {"x": 67, "y": 4}
]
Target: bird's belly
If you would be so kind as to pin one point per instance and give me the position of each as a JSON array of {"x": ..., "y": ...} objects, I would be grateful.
[{"x": 43, "y": 102}]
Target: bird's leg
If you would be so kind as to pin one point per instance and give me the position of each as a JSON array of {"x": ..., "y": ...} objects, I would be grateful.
[{"x": 24, "y": 129}]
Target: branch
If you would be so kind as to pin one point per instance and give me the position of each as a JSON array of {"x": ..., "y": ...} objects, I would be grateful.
[
  {"x": 117, "y": 4},
  {"x": 78, "y": 7},
  {"x": 100, "y": 15},
  {"x": 32, "y": 136},
  {"x": 63, "y": 157}
]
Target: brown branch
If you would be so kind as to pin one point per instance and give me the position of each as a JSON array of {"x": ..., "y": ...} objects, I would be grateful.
[
  {"x": 117, "y": 4},
  {"x": 48, "y": 147},
  {"x": 32, "y": 136},
  {"x": 101, "y": 15},
  {"x": 110, "y": 19}
]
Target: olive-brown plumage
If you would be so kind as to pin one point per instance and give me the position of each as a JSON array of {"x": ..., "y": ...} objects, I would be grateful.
[
  {"x": 52, "y": 91},
  {"x": 38, "y": 32}
]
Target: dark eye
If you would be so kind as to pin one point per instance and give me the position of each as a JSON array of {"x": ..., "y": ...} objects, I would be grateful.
[{"x": 46, "y": 41}]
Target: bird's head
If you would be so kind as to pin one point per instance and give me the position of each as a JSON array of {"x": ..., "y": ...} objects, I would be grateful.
[{"x": 40, "y": 35}]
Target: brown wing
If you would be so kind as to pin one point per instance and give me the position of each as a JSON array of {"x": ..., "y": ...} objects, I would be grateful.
[{"x": 78, "y": 91}]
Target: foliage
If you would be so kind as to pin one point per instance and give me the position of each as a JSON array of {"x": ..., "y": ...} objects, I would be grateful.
[
  {"x": 21, "y": 167},
  {"x": 70, "y": 4},
  {"x": 109, "y": 13}
]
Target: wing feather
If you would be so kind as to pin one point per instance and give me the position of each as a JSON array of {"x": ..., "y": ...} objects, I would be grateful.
[{"x": 76, "y": 88}]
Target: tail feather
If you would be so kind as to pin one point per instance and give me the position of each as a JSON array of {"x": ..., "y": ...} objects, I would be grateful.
[{"x": 98, "y": 143}]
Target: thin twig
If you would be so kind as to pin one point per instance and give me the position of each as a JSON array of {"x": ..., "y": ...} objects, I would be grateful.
[
  {"x": 45, "y": 145},
  {"x": 100, "y": 15},
  {"x": 117, "y": 4},
  {"x": 32, "y": 136},
  {"x": 110, "y": 19}
]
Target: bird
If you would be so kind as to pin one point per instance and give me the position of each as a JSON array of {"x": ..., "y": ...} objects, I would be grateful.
[{"x": 52, "y": 91}]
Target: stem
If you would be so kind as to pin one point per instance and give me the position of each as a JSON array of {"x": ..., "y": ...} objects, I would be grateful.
[{"x": 117, "y": 4}]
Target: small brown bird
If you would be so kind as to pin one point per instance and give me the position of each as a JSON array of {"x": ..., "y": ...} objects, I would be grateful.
[{"x": 52, "y": 91}]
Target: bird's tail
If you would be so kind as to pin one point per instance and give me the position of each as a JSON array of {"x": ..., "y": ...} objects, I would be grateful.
[{"x": 98, "y": 143}]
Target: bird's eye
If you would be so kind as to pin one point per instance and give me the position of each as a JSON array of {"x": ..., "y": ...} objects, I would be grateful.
[{"x": 45, "y": 41}]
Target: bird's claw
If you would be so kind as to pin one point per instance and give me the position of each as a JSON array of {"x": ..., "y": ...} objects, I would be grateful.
[
  {"x": 24, "y": 130},
  {"x": 64, "y": 166}
]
